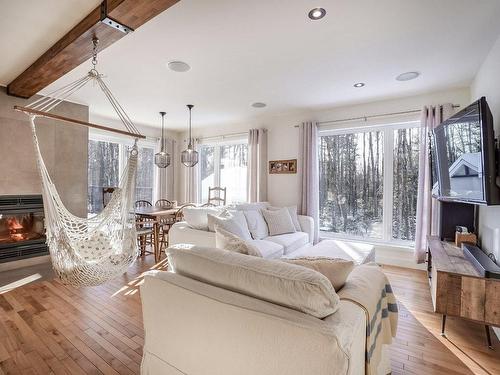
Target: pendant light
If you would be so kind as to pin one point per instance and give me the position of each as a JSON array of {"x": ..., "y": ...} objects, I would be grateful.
[
  {"x": 189, "y": 157},
  {"x": 162, "y": 158}
]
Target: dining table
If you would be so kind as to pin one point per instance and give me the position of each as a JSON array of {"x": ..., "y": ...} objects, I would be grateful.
[{"x": 157, "y": 215}]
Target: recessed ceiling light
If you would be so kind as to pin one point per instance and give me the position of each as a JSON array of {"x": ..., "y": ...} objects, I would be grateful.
[
  {"x": 178, "y": 66},
  {"x": 259, "y": 105},
  {"x": 359, "y": 84},
  {"x": 407, "y": 76},
  {"x": 317, "y": 13}
]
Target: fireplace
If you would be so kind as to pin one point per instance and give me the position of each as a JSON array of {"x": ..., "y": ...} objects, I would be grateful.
[{"x": 22, "y": 229}]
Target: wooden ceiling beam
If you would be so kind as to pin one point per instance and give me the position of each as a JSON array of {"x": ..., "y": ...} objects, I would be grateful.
[{"x": 75, "y": 47}]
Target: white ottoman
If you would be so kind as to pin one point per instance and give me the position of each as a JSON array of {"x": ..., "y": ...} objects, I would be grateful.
[{"x": 358, "y": 252}]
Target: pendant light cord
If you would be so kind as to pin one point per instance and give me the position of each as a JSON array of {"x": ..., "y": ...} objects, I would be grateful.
[
  {"x": 162, "y": 134},
  {"x": 190, "y": 145}
]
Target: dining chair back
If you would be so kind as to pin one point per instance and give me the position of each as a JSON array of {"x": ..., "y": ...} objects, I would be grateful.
[
  {"x": 164, "y": 203},
  {"x": 217, "y": 195}
]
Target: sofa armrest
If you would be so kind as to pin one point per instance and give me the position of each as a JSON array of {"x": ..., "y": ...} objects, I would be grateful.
[
  {"x": 307, "y": 226},
  {"x": 181, "y": 232}
]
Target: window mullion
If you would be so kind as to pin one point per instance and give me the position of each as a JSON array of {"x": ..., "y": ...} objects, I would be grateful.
[{"x": 388, "y": 182}]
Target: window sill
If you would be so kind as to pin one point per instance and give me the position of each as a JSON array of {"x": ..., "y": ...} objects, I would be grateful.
[{"x": 396, "y": 244}]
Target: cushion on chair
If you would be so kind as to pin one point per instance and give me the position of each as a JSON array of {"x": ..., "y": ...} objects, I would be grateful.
[
  {"x": 279, "y": 221},
  {"x": 197, "y": 217},
  {"x": 278, "y": 282},
  {"x": 256, "y": 224},
  {"x": 228, "y": 241},
  {"x": 268, "y": 249},
  {"x": 232, "y": 221},
  {"x": 290, "y": 241},
  {"x": 336, "y": 270},
  {"x": 292, "y": 210}
]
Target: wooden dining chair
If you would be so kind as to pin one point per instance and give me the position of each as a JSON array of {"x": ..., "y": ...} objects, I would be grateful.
[
  {"x": 179, "y": 215},
  {"x": 214, "y": 195},
  {"x": 164, "y": 203},
  {"x": 145, "y": 230},
  {"x": 165, "y": 223}
]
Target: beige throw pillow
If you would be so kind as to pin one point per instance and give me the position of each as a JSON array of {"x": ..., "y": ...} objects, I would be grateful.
[
  {"x": 228, "y": 241},
  {"x": 292, "y": 210},
  {"x": 279, "y": 221},
  {"x": 335, "y": 269}
]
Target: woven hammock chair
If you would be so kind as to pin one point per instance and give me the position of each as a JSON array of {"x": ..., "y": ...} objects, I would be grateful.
[{"x": 88, "y": 251}]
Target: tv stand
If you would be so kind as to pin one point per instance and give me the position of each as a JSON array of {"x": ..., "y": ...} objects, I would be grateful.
[{"x": 458, "y": 289}]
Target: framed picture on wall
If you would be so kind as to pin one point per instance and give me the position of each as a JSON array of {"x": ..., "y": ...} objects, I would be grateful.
[{"x": 283, "y": 166}]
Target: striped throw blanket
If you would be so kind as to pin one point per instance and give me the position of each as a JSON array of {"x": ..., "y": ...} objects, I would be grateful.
[{"x": 368, "y": 287}]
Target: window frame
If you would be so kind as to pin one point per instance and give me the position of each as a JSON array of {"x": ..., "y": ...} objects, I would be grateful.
[
  {"x": 124, "y": 142},
  {"x": 388, "y": 184},
  {"x": 216, "y": 144}
]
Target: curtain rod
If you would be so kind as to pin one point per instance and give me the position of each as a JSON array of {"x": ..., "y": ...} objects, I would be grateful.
[
  {"x": 365, "y": 118},
  {"x": 222, "y": 136}
]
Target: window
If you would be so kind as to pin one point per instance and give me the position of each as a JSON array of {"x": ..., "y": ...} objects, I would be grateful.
[
  {"x": 107, "y": 159},
  {"x": 224, "y": 164},
  {"x": 368, "y": 182}
]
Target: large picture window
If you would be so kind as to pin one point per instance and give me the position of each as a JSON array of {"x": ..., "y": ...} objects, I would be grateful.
[
  {"x": 224, "y": 164},
  {"x": 107, "y": 158},
  {"x": 368, "y": 182}
]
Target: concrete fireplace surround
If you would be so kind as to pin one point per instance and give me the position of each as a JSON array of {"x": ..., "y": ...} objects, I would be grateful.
[{"x": 64, "y": 149}]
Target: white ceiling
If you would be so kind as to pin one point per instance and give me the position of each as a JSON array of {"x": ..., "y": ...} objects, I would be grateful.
[{"x": 245, "y": 51}]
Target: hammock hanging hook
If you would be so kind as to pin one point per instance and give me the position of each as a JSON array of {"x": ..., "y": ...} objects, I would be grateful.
[{"x": 95, "y": 42}]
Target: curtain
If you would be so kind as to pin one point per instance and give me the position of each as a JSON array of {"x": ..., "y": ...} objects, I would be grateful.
[
  {"x": 309, "y": 173},
  {"x": 257, "y": 165},
  {"x": 191, "y": 179},
  {"x": 427, "y": 207},
  {"x": 165, "y": 180}
]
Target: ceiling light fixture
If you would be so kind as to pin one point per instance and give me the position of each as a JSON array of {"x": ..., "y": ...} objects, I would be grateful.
[
  {"x": 162, "y": 158},
  {"x": 178, "y": 66},
  {"x": 189, "y": 157},
  {"x": 259, "y": 105},
  {"x": 359, "y": 84},
  {"x": 317, "y": 13},
  {"x": 408, "y": 76}
]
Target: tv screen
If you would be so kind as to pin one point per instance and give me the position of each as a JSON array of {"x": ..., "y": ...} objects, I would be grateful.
[{"x": 463, "y": 157}]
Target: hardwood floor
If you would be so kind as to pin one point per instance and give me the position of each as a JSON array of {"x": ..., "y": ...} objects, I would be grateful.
[{"x": 49, "y": 328}]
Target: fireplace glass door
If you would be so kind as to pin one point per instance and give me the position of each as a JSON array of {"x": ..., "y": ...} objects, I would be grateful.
[{"x": 21, "y": 227}]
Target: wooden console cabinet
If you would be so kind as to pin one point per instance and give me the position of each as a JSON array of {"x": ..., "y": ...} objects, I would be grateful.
[{"x": 457, "y": 288}]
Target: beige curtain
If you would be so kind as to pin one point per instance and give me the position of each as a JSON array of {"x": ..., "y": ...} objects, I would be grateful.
[
  {"x": 257, "y": 165},
  {"x": 309, "y": 173},
  {"x": 427, "y": 207},
  {"x": 165, "y": 180},
  {"x": 191, "y": 179}
]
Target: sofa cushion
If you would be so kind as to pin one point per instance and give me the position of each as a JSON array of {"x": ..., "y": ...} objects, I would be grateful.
[
  {"x": 290, "y": 241},
  {"x": 251, "y": 206},
  {"x": 232, "y": 221},
  {"x": 335, "y": 269},
  {"x": 268, "y": 249},
  {"x": 292, "y": 210},
  {"x": 279, "y": 221},
  {"x": 228, "y": 241},
  {"x": 256, "y": 224},
  {"x": 197, "y": 218},
  {"x": 292, "y": 286}
]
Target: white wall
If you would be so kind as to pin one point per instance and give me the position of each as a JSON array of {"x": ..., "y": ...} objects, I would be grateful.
[{"x": 487, "y": 83}]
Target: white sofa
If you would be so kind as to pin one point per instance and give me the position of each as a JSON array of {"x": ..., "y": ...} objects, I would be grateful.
[
  {"x": 197, "y": 328},
  {"x": 270, "y": 247}
]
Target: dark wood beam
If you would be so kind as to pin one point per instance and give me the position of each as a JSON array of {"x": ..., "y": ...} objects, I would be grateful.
[{"x": 75, "y": 47}]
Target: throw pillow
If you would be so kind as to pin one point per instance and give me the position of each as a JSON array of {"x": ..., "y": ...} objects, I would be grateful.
[
  {"x": 292, "y": 210},
  {"x": 256, "y": 224},
  {"x": 279, "y": 221},
  {"x": 196, "y": 217},
  {"x": 335, "y": 269},
  {"x": 232, "y": 221},
  {"x": 251, "y": 206},
  {"x": 229, "y": 241}
]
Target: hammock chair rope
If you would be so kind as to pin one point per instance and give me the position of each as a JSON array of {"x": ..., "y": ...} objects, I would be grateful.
[{"x": 89, "y": 251}]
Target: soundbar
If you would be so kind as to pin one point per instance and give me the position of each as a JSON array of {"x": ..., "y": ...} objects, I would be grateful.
[{"x": 481, "y": 262}]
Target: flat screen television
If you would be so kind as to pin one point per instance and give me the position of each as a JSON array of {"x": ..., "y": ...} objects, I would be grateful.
[{"x": 463, "y": 157}]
